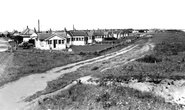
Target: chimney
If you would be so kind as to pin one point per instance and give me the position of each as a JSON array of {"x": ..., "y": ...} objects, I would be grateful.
[
  {"x": 65, "y": 30},
  {"x": 38, "y": 26},
  {"x": 35, "y": 31},
  {"x": 74, "y": 28}
]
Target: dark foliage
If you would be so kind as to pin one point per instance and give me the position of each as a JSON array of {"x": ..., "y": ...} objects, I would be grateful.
[
  {"x": 95, "y": 68},
  {"x": 106, "y": 100},
  {"x": 149, "y": 59},
  {"x": 112, "y": 38}
]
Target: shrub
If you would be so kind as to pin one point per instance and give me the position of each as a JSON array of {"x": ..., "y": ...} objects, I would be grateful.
[
  {"x": 149, "y": 59},
  {"x": 95, "y": 68}
]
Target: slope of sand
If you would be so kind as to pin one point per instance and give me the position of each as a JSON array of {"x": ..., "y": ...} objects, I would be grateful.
[{"x": 3, "y": 45}]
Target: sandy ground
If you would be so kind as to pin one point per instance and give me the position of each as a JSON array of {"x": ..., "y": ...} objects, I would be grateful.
[
  {"x": 12, "y": 95},
  {"x": 16, "y": 92},
  {"x": 172, "y": 91},
  {"x": 5, "y": 59},
  {"x": 3, "y": 45},
  {"x": 130, "y": 54},
  {"x": 5, "y": 63}
]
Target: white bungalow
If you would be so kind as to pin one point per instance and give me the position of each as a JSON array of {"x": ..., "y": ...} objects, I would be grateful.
[
  {"x": 99, "y": 36},
  {"x": 50, "y": 41},
  {"x": 77, "y": 37},
  {"x": 26, "y": 34},
  {"x": 90, "y": 37}
]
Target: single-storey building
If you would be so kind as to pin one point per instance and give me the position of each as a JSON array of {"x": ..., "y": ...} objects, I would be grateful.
[
  {"x": 26, "y": 34},
  {"x": 107, "y": 34},
  {"x": 99, "y": 36},
  {"x": 91, "y": 38},
  {"x": 77, "y": 37},
  {"x": 50, "y": 41}
]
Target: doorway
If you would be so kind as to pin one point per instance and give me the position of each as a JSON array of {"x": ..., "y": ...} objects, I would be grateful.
[{"x": 54, "y": 43}]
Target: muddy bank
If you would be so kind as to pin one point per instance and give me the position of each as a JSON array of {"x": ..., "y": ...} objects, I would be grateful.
[
  {"x": 172, "y": 91},
  {"x": 3, "y": 45},
  {"x": 13, "y": 94}
]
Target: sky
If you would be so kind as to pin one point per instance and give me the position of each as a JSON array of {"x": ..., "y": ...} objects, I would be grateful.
[{"x": 92, "y": 14}]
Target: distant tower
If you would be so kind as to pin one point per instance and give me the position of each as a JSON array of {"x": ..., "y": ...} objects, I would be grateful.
[
  {"x": 50, "y": 31},
  {"x": 38, "y": 25},
  {"x": 74, "y": 28},
  {"x": 65, "y": 30},
  {"x": 35, "y": 31}
]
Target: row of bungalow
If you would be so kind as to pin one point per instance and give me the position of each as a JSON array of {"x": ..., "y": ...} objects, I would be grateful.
[{"x": 57, "y": 40}]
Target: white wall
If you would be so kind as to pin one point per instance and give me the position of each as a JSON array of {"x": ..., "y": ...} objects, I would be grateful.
[
  {"x": 98, "y": 38},
  {"x": 41, "y": 45},
  {"x": 44, "y": 44},
  {"x": 58, "y": 46},
  {"x": 90, "y": 40},
  {"x": 26, "y": 39},
  {"x": 74, "y": 42}
]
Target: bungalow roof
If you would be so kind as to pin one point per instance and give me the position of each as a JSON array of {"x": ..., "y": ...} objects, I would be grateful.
[
  {"x": 63, "y": 36},
  {"x": 60, "y": 33},
  {"x": 90, "y": 33},
  {"x": 106, "y": 33},
  {"x": 98, "y": 33},
  {"x": 5, "y": 32},
  {"x": 78, "y": 33},
  {"x": 43, "y": 36},
  {"x": 27, "y": 31}
]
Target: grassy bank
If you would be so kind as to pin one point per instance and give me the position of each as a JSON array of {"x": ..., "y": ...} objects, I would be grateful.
[
  {"x": 32, "y": 61},
  {"x": 66, "y": 79},
  {"x": 36, "y": 61},
  {"x": 87, "y": 97},
  {"x": 165, "y": 61}
]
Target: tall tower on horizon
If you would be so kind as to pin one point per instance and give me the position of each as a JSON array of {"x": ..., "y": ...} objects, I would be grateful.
[
  {"x": 38, "y": 25},
  {"x": 74, "y": 28}
]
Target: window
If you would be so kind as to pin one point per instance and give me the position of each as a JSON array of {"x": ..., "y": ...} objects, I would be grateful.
[
  {"x": 59, "y": 41},
  {"x": 68, "y": 40},
  {"x": 79, "y": 39},
  {"x": 76, "y": 39},
  {"x": 62, "y": 41},
  {"x": 49, "y": 41},
  {"x": 82, "y": 39}
]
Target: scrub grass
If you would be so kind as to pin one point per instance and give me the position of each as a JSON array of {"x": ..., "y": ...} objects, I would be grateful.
[
  {"x": 29, "y": 62},
  {"x": 165, "y": 62},
  {"x": 33, "y": 61},
  {"x": 89, "y": 97}
]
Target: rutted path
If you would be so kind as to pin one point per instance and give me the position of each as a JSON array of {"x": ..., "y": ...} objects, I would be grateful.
[
  {"x": 122, "y": 59},
  {"x": 172, "y": 91},
  {"x": 3, "y": 45},
  {"x": 12, "y": 94}
]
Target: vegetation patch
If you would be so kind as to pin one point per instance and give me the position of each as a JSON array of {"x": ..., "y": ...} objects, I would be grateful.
[
  {"x": 149, "y": 59},
  {"x": 95, "y": 68},
  {"x": 104, "y": 97}
]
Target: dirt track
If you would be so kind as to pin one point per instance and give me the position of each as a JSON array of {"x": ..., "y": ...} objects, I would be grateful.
[
  {"x": 12, "y": 95},
  {"x": 3, "y": 45},
  {"x": 6, "y": 61},
  {"x": 5, "y": 58},
  {"x": 129, "y": 55}
]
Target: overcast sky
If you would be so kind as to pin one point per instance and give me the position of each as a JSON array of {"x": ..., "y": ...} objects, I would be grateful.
[{"x": 92, "y": 14}]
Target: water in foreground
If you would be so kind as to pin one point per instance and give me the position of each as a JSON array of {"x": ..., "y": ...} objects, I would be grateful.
[{"x": 13, "y": 94}]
